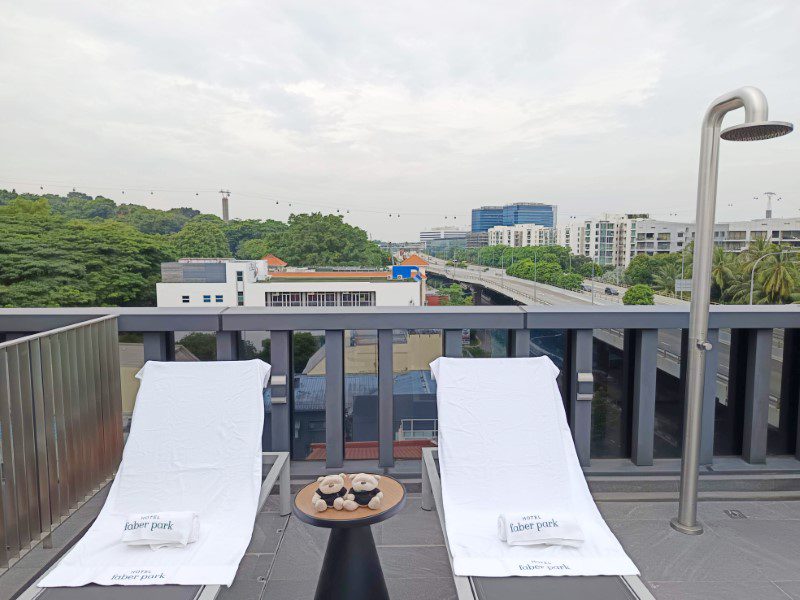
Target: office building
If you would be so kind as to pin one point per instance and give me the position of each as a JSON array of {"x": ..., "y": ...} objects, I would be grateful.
[
  {"x": 518, "y": 213},
  {"x": 486, "y": 217},
  {"x": 441, "y": 233}
]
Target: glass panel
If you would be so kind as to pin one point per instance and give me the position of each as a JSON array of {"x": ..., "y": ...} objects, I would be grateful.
[
  {"x": 308, "y": 401},
  {"x": 610, "y": 408},
  {"x": 552, "y": 343},
  {"x": 415, "y": 422},
  {"x": 361, "y": 395},
  {"x": 728, "y": 413},
  {"x": 484, "y": 343},
  {"x": 669, "y": 396},
  {"x": 257, "y": 344},
  {"x": 782, "y": 420},
  {"x": 195, "y": 345},
  {"x": 131, "y": 360}
]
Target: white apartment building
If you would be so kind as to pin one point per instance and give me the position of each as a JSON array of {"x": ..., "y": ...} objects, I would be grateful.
[
  {"x": 228, "y": 282},
  {"x": 660, "y": 237},
  {"x": 523, "y": 234},
  {"x": 442, "y": 233},
  {"x": 607, "y": 240}
]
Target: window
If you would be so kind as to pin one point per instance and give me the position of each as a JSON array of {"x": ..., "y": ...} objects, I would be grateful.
[
  {"x": 185, "y": 299},
  {"x": 207, "y": 298},
  {"x": 218, "y": 298},
  {"x": 239, "y": 298},
  {"x": 239, "y": 275}
]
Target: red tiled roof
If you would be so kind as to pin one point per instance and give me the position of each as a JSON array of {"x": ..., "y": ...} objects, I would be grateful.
[
  {"x": 407, "y": 449},
  {"x": 414, "y": 261},
  {"x": 330, "y": 274},
  {"x": 274, "y": 261}
]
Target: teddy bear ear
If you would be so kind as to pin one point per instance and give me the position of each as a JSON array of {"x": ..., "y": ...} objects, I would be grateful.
[
  {"x": 320, "y": 479},
  {"x": 342, "y": 475},
  {"x": 377, "y": 477}
]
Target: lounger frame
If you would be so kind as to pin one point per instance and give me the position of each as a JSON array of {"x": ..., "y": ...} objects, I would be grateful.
[
  {"x": 432, "y": 500},
  {"x": 279, "y": 473}
]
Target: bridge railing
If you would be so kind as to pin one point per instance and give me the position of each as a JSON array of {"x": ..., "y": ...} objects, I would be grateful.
[{"x": 750, "y": 374}]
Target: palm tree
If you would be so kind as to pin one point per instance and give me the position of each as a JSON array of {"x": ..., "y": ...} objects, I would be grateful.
[
  {"x": 664, "y": 278},
  {"x": 722, "y": 270},
  {"x": 778, "y": 279},
  {"x": 757, "y": 249}
]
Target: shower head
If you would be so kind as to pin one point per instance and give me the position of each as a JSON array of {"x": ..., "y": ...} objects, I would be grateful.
[{"x": 762, "y": 130}]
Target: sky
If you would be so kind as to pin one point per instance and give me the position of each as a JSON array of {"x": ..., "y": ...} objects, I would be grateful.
[{"x": 418, "y": 110}]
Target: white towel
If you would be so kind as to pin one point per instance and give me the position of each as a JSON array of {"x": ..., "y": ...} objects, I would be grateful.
[
  {"x": 162, "y": 530},
  {"x": 533, "y": 528},
  {"x": 505, "y": 447}
]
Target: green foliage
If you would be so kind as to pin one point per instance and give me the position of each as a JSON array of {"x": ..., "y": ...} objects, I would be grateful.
[
  {"x": 202, "y": 345},
  {"x": 304, "y": 345},
  {"x": 26, "y": 206},
  {"x": 454, "y": 296},
  {"x": 154, "y": 221},
  {"x": 315, "y": 239},
  {"x": 639, "y": 294},
  {"x": 239, "y": 232},
  {"x": 201, "y": 238},
  {"x": 49, "y": 261}
]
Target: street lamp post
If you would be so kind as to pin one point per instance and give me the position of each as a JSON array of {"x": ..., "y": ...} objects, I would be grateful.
[
  {"x": 755, "y": 264},
  {"x": 755, "y": 127},
  {"x": 535, "y": 282}
]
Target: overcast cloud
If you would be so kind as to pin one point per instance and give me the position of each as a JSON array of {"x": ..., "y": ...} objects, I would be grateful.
[{"x": 426, "y": 109}]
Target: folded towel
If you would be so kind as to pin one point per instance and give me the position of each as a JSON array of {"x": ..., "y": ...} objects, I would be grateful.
[
  {"x": 530, "y": 529},
  {"x": 162, "y": 530}
]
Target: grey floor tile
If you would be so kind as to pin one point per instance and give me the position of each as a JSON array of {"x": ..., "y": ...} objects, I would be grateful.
[
  {"x": 790, "y": 588},
  {"x": 250, "y": 578},
  {"x": 267, "y": 532},
  {"x": 300, "y": 554},
  {"x": 290, "y": 590},
  {"x": 771, "y": 546},
  {"x": 717, "y": 590},
  {"x": 663, "y": 554},
  {"x": 433, "y": 588},
  {"x": 412, "y": 526},
  {"x": 414, "y": 562}
]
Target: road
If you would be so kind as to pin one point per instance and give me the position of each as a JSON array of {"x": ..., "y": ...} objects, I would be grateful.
[{"x": 669, "y": 341}]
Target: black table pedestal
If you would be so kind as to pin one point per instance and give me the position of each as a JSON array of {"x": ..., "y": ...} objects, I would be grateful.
[{"x": 351, "y": 569}]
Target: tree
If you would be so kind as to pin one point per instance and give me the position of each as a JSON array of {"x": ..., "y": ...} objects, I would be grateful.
[
  {"x": 239, "y": 231},
  {"x": 778, "y": 279},
  {"x": 639, "y": 294},
  {"x": 665, "y": 277},
  {"x": 304, "y": 345},
  {"x": 640, "y": 270},
  {"x": 253, "y": 249},
  {"x": 202, "y": 345},
  {"x": 201, "y": 238},
  {"x": 722, "y": 271},
  {"x": 454, "y": 296},
  {"x": 25, "y": 206},
  {"x": 316, "y": 239}
]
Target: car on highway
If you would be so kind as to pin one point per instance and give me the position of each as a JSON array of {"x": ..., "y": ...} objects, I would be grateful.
[{"x": 611, "y": 292}]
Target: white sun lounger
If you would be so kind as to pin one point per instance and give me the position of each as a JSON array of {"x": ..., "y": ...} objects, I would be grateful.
[
  {"x": 195, "y": 444},
  {"x": 504, "y": 443}
]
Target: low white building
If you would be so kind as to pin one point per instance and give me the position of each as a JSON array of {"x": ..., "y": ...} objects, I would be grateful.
[
  {"x": 228, "y": 282},
  {"x": 523, "y": 234},
  {"x": 442, "y": 233}
]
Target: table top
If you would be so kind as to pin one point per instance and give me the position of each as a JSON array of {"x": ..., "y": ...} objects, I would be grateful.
[{"x": 394, "y": 498}]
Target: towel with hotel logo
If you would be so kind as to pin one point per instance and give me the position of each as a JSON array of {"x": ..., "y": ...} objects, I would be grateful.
[
  {"x": 532, "y": 528},
  {"x": 162, "y": 530}
]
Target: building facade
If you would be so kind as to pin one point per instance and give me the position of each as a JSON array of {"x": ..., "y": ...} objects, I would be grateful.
[
  {"x": 522, "y": 235},
  {"x": 607, "y": 240},
  {"x": 227, "y": 282},
  {"x": 441, "y": 233},
  {"x": 518, "y": 213}
]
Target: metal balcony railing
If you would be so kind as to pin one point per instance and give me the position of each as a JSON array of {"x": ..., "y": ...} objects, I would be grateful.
[
  {"x": 755, "y": 368},
  {"x": 60, "y": 424}
]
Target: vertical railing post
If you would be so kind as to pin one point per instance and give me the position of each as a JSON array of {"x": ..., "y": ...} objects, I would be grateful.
[
  {"x": 159, "y": 345},
  {"x": 581, "y": 391},
  {"x": 788, "y": 423},
  {"x": 334, "y": 398},
  {"x": 385, "y": 398},
  {"x": 709, "y": 399},
  {"x": 756, "y": 401},
  {"x": 9, "y": 499},
  {"x": 40, "y": 425},
  {"x": 644, "y": 396},
  {"x": 228, "y": 345},
  {"x": 281, "y": 390},
  {"x": 520, "y": 343}
]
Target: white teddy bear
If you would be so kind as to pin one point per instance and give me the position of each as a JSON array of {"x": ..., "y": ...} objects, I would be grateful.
[
  {"x": 364, "y": 492},
  {"x": 330, "y": 493}
]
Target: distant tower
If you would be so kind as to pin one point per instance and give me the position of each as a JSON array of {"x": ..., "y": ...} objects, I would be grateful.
[
  {"x": 226, "y": 194},
  {"x": 769, "y": 196}
]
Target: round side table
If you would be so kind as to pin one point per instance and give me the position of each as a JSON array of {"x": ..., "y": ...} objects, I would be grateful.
[{"x": 351, "y": 569}]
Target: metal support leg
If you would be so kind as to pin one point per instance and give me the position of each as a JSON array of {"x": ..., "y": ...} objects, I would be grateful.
[
  {"x": 756, "y": 405},
  {"x": 351, "y": 568},
  {"x": 280, "y": 357},
  {"x": 285, "y": 491},
  {"x": 709, "y": 399},
  {"x": 427, "y": 491},
  {"x": 790, "y": 390}
]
